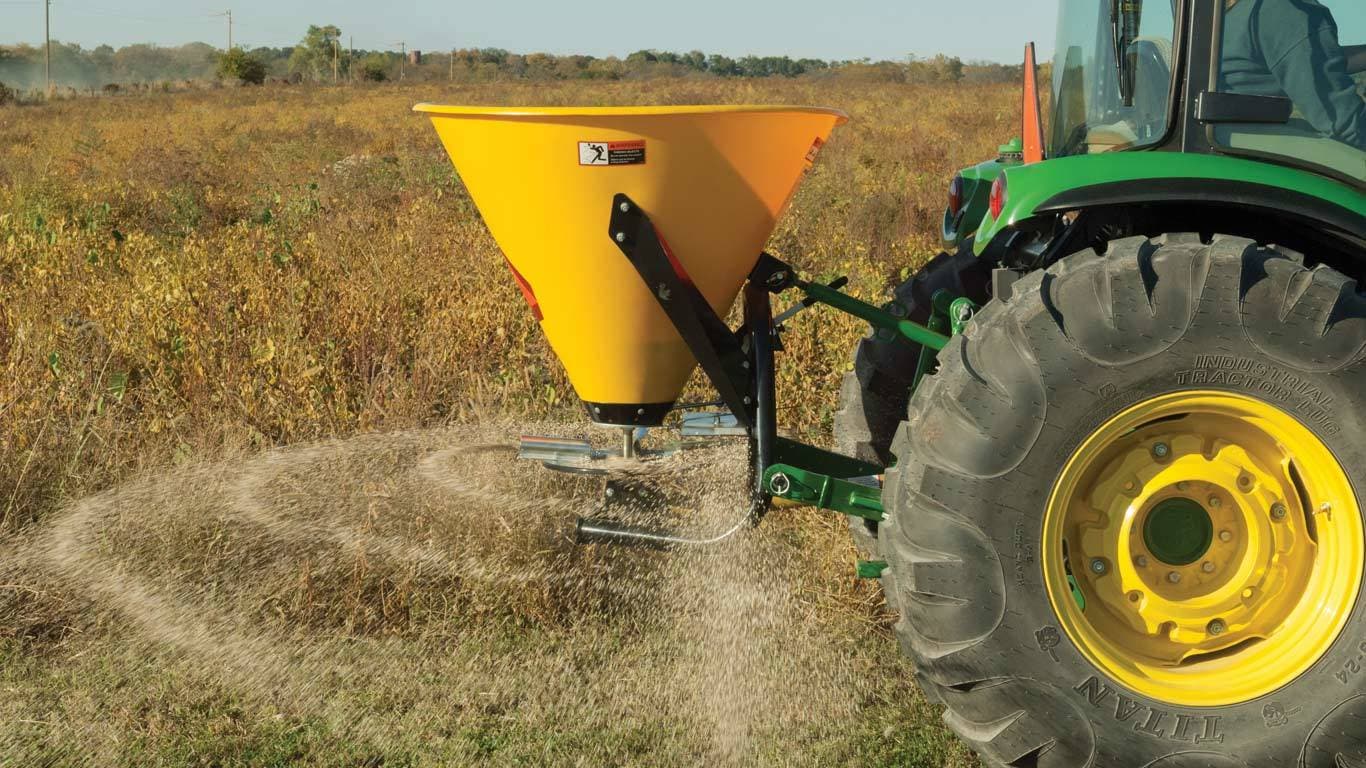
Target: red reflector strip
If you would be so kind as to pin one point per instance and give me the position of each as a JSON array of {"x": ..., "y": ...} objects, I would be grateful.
[
  {"x": 527, "y": 293},
  {"x": 674, "y": 262}
]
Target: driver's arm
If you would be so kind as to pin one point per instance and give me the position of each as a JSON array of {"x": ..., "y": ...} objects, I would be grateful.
[{"x": 1301, "y": 48}]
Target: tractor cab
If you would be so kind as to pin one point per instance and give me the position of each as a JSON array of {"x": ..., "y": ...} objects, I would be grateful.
[
  {"x": 1282, "y": 82},
  {"x": 1242, "y": 117}
]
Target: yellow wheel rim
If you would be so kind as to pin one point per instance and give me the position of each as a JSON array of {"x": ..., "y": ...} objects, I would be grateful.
[{"x": 1203, "y": 548}]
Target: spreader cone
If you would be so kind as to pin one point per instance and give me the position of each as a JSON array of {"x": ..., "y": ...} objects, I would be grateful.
[{"x": 713, "y": 180}]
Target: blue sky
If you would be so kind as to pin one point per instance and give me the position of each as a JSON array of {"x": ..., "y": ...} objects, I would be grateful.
[
  {"x": 973, "y": 29},
  {"x": 881, "y": 29}
]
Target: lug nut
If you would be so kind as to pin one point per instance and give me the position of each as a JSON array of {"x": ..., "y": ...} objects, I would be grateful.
[
  {"x": 1217, "y": 627},
  {"x": 625, "y": 207},
  {"x": 1245, "y": 482},
  {"x": 621, "y": 237},
  {"x": 1174, "y": 577},
  {"x": 1161, "y": 450},
  {"x": 1226, "y": 536},
  {"x": 1278, "y": 512},
  {"x": 1183, "y": 485},
  {"x": 1099, "y": 567},
  {"x": 1141, "y": 561},
  {"x": 1215, "y": 502},
  {"x": 1208, "y": 567}
]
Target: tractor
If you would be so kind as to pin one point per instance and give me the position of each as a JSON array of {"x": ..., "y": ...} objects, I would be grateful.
[{"x": 1106, "y": 453}]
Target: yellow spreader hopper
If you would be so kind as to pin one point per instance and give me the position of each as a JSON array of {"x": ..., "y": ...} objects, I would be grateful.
[{"x": 555, "y": 187}]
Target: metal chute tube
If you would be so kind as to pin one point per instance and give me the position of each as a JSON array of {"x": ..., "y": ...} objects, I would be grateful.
[{"x": 590, "y": 531}]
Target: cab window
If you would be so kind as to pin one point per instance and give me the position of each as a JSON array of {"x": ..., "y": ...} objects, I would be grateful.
[{"x": 1092, "y": 113}]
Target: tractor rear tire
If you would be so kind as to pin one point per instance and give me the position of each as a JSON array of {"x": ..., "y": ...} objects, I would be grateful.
[
  {"x": 983, "y": 455},
  {"x": 874, "y": 396}
]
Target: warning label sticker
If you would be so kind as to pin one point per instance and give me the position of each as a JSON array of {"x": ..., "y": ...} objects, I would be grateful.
[{"x": 611, "y": 153}]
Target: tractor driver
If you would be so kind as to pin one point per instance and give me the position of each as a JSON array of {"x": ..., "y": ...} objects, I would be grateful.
[{"x": 1290, "y": 48}]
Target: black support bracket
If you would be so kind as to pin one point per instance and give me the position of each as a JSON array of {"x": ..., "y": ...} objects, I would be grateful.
[{"x": 717, "y": 349}]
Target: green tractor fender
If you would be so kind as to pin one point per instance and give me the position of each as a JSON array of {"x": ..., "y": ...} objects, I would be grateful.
[
  {"x": 974, "y": 184},
  {"x": 1136, "y": 178}
]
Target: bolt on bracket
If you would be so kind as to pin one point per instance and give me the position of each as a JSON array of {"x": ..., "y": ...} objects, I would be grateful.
[{"x": 825, "y": 492}]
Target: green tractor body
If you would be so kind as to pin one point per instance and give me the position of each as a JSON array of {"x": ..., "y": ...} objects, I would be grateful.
[{"x": 1123, "y": 506}]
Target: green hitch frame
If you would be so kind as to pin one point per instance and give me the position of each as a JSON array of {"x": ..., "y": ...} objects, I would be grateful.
[
  {"x": 825, "y": 492},
  {"x": 940, "y": 305},
  {"x": 807, "y": 476},
  {"x": 948, "y": 314},
  {"x": 961, "y": 312},
  {"x": 874, "y": 316}
]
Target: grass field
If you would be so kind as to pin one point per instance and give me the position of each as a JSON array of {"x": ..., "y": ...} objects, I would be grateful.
[{"x": 250, "y": 337}]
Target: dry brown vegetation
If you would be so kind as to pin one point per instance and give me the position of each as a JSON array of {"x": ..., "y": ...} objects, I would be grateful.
[{"x": 190, "y": 278}]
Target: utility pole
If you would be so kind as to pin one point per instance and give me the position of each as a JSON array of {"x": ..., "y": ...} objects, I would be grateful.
[
  {"x": 351, "y": 59},
  {"x": 402, "y": 58},
  {"x": 47, "y": 45},
  {"x": 229, "y": 15},
  {"x": 336, "y": 52},
  {"x": 452, "y": 65}
]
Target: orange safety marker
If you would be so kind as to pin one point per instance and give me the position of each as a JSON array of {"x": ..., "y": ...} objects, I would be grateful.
[{"x": 1031, "y": 109}]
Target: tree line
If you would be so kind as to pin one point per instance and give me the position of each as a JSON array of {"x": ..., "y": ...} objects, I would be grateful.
[{"x": 321, "y": 53}]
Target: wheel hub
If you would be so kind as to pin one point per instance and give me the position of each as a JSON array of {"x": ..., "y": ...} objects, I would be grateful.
[
  {"x": 1178, "y": 531},
  {"x": 1197, "y": 528}
]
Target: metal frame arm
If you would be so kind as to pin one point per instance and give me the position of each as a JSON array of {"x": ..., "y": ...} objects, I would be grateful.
[
  {"x": 715, "y": 346},
  {"x": 874, "y": 316}
]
